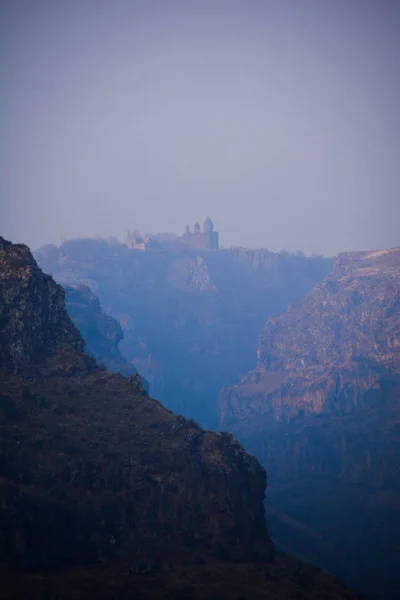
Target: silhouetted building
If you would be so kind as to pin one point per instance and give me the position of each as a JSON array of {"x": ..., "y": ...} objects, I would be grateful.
[{"x": 208, "y": 239}]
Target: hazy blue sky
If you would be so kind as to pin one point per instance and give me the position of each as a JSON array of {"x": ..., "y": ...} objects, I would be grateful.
[{"x": 278, "y": 118}]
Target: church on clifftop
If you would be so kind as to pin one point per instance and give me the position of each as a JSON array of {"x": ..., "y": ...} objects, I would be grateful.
[{"x": 208, "y": 239}]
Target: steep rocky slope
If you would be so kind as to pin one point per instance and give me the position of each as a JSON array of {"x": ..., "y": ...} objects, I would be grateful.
[
  {"x": 322, "y": 413},
  {"x": 101, "y": 332},
  {"x": 105, "y": 493},
  {"x": 191, "y": 319}
]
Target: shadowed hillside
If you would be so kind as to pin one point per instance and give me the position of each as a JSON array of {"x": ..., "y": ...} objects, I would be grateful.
[{"x": 105, "y": 493}]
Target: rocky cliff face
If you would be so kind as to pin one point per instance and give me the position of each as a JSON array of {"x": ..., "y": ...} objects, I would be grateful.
[
  {"x": 102, "y": 487},
  {"x": 323, "y": 407},
  {"x": 334, "y": 350},
  {"x": 101, "y": 332},
  {"x": 92, "y": 415},
  {"x": 191, "y": 319},
  {"x": 34, "y": 323}
]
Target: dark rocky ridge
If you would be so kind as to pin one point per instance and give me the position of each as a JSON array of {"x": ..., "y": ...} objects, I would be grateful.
[
  {"x": 191, "y": 319},
  {"x": 102, "y": 486},
  {"x": 322, "y": 413},
  {"x": 55, "y": 397},
  {"x": 34, "y": 324}
]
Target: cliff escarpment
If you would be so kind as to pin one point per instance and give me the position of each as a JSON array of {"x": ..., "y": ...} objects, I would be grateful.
[
  {"x": 321, "y": 412},
  {"x": 101, "y": 332},
  {"x": 191, "y": 318},
  {"x": 68, "y": 425},
  {"x": 104, "y": 492},
  {"x": 338, "y": 351},
  {"x": 34, "y": 326}
]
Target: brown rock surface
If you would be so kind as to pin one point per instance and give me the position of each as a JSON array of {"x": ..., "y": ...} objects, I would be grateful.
[{"x": 322, "y": 413}]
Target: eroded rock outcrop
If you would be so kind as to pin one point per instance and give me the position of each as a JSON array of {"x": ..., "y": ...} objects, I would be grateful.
[
  {"x": 339, "y": 350},
  {"x": 34, "y": 326},
  {"x": 323, "y": 407},
  {"x": 101, "y": 332},
  {"x": 104, "y": 492}
]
